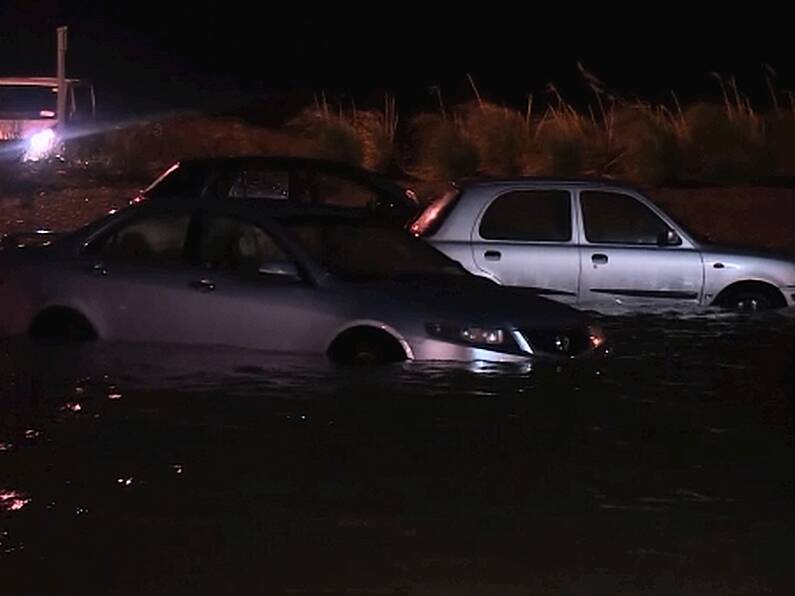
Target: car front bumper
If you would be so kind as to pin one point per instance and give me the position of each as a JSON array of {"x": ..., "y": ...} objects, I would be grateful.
[
  {"x": 432, "y": 349},
  {"x": 789, "y": 294}
]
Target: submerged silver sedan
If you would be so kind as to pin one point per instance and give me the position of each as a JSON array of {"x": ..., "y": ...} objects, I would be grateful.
[
  {"x": 597, "y": 245},
  {"x": 234, "y": 273}
]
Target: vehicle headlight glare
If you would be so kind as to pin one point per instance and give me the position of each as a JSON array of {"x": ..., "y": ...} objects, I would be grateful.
[{"x": 40, "y": 145}]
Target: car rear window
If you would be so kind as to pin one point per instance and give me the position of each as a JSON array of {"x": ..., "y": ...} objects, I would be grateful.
[
  {"x": 261, "y": 183},
  {"x": 338, "y": 191}
]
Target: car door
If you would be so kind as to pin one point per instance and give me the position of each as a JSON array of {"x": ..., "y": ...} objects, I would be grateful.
[
  {"x": 525, "y": 238},
  {"x": 630, "y": 255},
  {"x": 133, "y": 279},
  {"x": 253, "y": 293}
]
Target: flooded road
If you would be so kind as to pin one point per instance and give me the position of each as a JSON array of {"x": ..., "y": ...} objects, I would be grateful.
[{"x": 666, "y": 469}]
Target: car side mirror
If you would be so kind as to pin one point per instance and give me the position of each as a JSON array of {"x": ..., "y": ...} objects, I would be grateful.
[
  {"x": 283, "y": 269},
  {"x": 668, "y": 237}
]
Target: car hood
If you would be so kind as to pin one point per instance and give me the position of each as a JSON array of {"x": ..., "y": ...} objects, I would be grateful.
[
  {"x": 719, "y": 250},
  {"x": 783, "y": 264},
  {"x": 466, "y": 299}
]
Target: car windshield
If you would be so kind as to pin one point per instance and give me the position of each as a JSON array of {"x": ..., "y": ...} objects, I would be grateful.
[
  {"x": 30, "y": 102},
  {"x": 366, "y": 252}
]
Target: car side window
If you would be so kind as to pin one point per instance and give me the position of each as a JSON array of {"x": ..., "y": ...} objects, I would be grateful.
[
  {"x": 80, "y": 103},
  {"x": 261, "y": 183},
  {"x": 615, "y": 218},
  {"x": 337, "y": 191},
  {"x": 236, "y": 246},
  {"x": 156, "y": 239},
  {"x": 529, "y": 215}
]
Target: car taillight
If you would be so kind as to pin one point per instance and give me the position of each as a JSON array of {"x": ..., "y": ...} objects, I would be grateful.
[{"x": 431, "y": 219}]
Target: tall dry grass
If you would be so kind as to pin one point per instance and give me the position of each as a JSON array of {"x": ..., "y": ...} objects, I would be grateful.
[
  {"x": 145, "y": 148},
  {"x": 728, "y": 141}
]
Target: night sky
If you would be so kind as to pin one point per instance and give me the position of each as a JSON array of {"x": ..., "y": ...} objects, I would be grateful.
[{"x": 142, "y": 57}]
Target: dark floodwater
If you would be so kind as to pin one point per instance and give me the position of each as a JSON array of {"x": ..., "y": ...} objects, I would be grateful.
[{"x": 666, "y": 469}]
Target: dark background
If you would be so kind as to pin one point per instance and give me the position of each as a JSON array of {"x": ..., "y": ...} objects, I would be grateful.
[{"x": 145, "y": 56}]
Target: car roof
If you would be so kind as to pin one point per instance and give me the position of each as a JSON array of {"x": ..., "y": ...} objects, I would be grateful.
[
  {"x": 282, "y": 160},
  {"x": 330, "y": 218},
  {"x": 288, "y": 161},
  {"x": 36, "y": 81},
  {"x": 276, "y": 210},
  {"x": 483, "y": 181}
]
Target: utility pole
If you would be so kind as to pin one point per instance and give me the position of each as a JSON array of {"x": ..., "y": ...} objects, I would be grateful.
[{"x": 61, "y": 109}]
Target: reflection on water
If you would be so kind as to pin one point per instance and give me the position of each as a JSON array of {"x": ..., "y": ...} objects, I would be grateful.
[
  {"x": 11, "y": 500},
  {"x": 197, "y": 470}
]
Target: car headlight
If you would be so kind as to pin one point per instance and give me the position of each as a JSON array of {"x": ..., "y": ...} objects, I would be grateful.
[
  {"x": 474, "y": 335},
  {"x": 40, "y": 145},
  {"x": 481, "y": 335}
]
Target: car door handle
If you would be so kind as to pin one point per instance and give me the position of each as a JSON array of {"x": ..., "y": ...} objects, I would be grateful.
[
  {"x": 98, "y": 269},
  {"x": 599, "y": 259},
  {"x": 203, "y": 285},
  {"x": 492, "y": 255}
]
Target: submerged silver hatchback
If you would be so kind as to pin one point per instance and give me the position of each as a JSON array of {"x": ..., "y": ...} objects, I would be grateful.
[{"x": 597, "y": 245}]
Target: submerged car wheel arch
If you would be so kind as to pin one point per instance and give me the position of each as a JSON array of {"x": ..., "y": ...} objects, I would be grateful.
[
  {"x": 369, "y": 326},
  {"x": 775, "y": 295},
  {"x": 62, "y": 322}
]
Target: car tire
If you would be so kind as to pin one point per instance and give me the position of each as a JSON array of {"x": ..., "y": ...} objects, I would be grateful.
[
  {"x": 365, "y": 346},
  {"x": 366, "y": 352},
  {"x": 62, "y": 324},
  {"x": 749, "y": 300}
]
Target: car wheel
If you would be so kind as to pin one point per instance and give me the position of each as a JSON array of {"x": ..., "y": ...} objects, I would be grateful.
[
  {"x": 62, "y": 324},
  {"x": 366, "y": 353},
  {"x": 749, "y": 300},
  {"x": 366, "y": 347}
]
